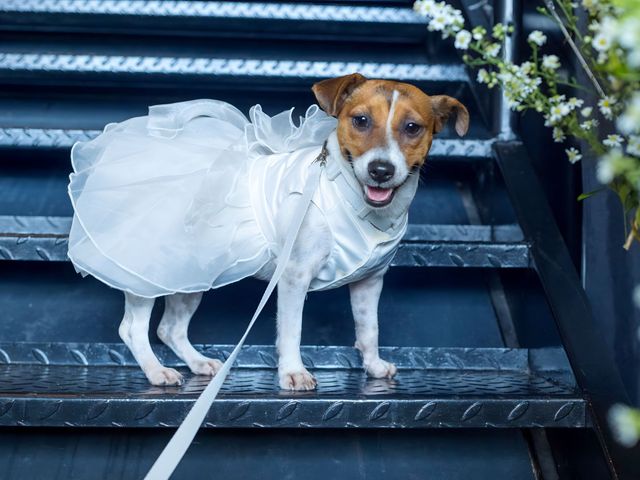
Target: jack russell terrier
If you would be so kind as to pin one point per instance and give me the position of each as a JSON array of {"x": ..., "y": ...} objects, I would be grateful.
[{"x": 195, "y": 196}]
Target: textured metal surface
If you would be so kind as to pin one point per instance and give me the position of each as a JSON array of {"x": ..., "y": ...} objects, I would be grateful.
[
  {"x": 226, "y": 10},
  {"x": 45, "y": 238},
  {"x": 209, "y": 68},
  {"x": 62, "y": 138},
  {"x": 446, "y": 388},
  {"x": 317, "y": 357}
]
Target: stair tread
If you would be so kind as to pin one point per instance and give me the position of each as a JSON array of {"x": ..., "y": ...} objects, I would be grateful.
[
  {"x": 83, "y": 385},
  {"x": 244, "y": 63},
  {"x": 492, "y": 246},
  {"x": 65, "y": 138},
  {"x": 212, "y": 9},
  {"x": 214, "y": 18}
]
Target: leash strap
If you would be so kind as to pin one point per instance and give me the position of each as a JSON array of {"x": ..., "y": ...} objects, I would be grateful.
[{"x": 168, "y": 460}]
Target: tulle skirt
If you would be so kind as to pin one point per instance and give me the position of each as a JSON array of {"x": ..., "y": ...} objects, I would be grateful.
[{"x": 162, "y": 203}]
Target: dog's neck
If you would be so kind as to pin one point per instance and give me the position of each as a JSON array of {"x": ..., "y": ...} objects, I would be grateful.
[{"x": 385, "y": 218}]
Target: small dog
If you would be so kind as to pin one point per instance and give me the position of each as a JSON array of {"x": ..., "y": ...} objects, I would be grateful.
[{"x": 383, "y": 135}]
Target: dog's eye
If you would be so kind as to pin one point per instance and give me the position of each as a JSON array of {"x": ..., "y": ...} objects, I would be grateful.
[
  {"x": 361, "y": 122},
  {"x": 412, "y": 129}
]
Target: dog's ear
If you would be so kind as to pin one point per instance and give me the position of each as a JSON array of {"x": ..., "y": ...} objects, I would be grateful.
[
  {"x": 443, "y": 106},
  {"x": 332, "y": 93}
]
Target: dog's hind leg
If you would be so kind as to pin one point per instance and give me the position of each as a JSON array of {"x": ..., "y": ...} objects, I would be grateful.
[
  {"x": 178, "y": 310},
  {"x": 134, "y": 331}
]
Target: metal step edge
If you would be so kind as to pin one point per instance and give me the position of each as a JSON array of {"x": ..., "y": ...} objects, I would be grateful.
[
  {"x": 290, "y": 411},
  {"x": 10, "y": 137},
  {"x": 52, "y": 226},
  {"x": 209, "y": 68},
  {"x": 44, "y": 245},
  {"x": 176, "y": 10},
  {"x": 536, "y": 361},
  {"x": 487, "y": 388}
]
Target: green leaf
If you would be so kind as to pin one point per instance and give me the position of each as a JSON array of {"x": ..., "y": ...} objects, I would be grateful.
[{"x": 584, "y": 196}]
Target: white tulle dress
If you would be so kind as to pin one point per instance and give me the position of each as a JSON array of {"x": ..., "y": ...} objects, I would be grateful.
[{"x": 186, "y": 199}]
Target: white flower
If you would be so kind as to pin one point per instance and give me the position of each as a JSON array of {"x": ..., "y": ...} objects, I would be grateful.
[
  {"x": 483, "y": 76},
  {"x": 537, "y": 37},
  {"x": 463, "y": 39},
  {"x": 586, "y": 111},
  {"x": 558, "y": 135},
  {"x": 550, "y": 62},
  {"x": 604, "y": 170},
  {"x": 575, "y": 103},
  {"x": 633, "y": 145},
  {"x": 492, "y": 50},
  {"x": 588, "y": 124},
  {"x": 573, "y": 155},
  {"x": 629, "y": 121},
  {"x": 526, "y": 68},
  {"x": 601, "y": 43},
  {"x": 605, "y": 105},
  {"x": 613, "y": 140},
  {"x": 623, "y": 424},
  {"x": 425, "y": 7}
]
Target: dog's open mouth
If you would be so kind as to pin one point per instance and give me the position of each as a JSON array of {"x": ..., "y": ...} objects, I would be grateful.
[{"x": 377, "y": 196}]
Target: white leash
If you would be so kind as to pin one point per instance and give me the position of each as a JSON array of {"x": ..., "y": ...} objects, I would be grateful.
[{"x": 168, "y": 460}]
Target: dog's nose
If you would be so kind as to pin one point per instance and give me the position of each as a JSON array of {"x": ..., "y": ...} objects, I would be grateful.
[{"x": 381, "y": 171}]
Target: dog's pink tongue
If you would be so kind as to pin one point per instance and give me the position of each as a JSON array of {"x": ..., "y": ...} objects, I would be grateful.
[{"x": 379, "y": 194}]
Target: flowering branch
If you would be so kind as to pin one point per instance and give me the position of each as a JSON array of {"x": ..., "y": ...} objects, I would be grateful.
[{"x": 610, "y": 53}]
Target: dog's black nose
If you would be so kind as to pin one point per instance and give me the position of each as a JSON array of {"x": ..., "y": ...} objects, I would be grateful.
[{"x": 381, "y": 171}]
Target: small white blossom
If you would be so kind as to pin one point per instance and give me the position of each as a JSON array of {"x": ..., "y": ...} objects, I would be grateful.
[
  {"x": 623, "y": 424},
  {"x": 588, "y": 124},
  {"x": 463, "y": 39},
  {"x": 586, "y": 111},
  {"x": 629, "y": 121},
  {"x": 483, "y": 76},
  {"x": 550, "y": 62},
  {"x": 573, "y": 155},
  {"x": 537, "y": 37},
  {"x": 558, "y": 135},
  {"x": 605, "y": 105},
  {"x": 633, "y": 145},
  {"x": 574, "y": 103},
  {"x": 604, "y": 170},
  {"x": 613, "y": 140},
  {"x": 601, "y": 43},
  {"x": 492, "y": 50}
]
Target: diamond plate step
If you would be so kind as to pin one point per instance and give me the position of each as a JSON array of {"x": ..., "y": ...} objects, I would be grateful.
[
  {"x": 97, "y": 385},
  {"x": 140, "y": 17},
  {"x": 205, "y": 70},
  {"x": 64, "y": 138},
  {"x": 45, "y": 239}
]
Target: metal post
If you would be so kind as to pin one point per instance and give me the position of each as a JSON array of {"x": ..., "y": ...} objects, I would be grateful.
[{"x": 509, "y": 13}]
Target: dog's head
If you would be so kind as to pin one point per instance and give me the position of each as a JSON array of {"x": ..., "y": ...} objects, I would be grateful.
[{"x": 385, "y": 129}]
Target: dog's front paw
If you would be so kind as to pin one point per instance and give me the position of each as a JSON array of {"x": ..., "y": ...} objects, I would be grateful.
[
  {"x": 208, "y": 366},
  {"x": 297, "y": 380},
  {"x": 164, "y": 376},
  {"x": 380, "y": 369}
]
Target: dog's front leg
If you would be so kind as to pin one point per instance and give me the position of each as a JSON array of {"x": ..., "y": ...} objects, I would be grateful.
[
  {"x": 364, "y": 304},
  {"x": 310, "y": 251}
]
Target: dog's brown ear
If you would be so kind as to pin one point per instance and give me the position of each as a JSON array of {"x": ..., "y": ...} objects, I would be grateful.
[
  {"x": 332, "y": 93},
  {"x": 443, "y": 106}
]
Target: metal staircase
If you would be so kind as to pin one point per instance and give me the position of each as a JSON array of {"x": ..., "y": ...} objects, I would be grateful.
[{"x": 478, "y": 310}]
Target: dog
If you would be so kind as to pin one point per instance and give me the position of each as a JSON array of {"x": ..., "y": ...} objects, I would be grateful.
[{"x": 384, "y": 132}]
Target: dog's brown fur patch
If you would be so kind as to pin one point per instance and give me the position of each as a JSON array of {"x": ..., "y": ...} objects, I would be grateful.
[{"x": 353, "y": 95}]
